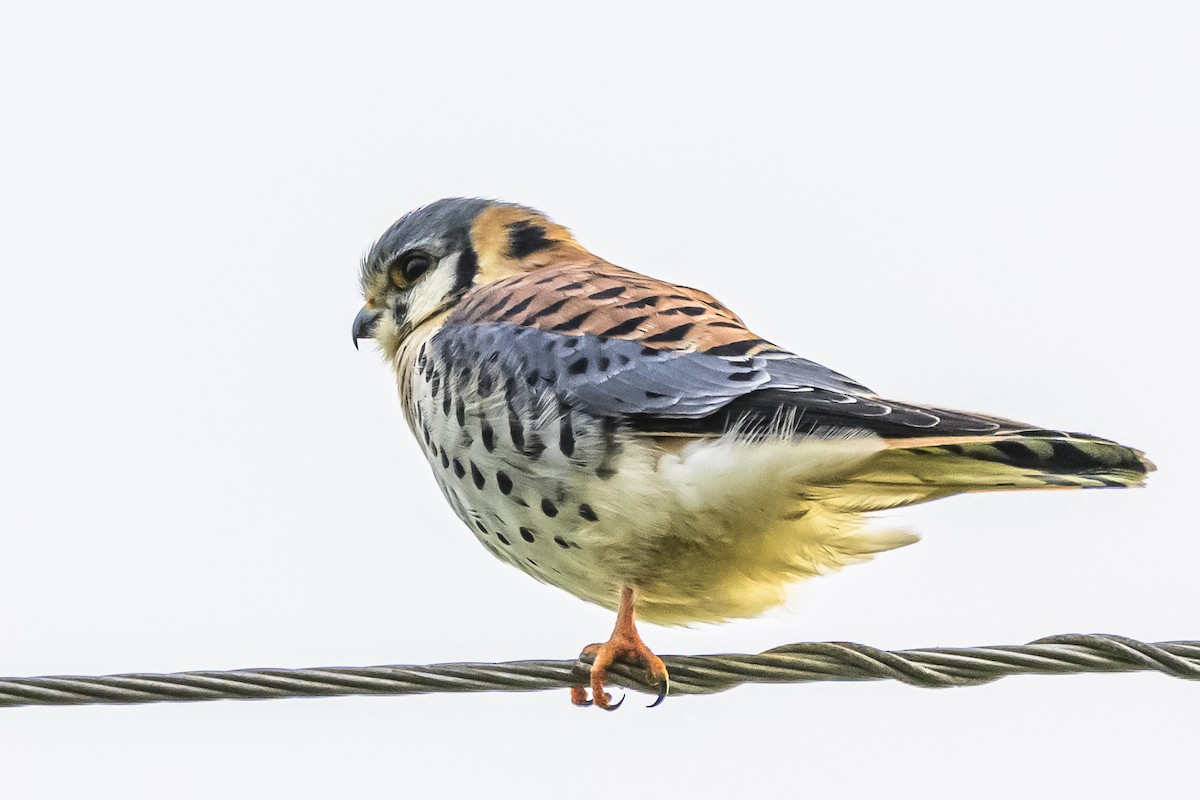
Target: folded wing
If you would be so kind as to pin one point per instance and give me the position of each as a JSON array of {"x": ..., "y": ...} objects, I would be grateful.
[{"x": 667, "y": 361}]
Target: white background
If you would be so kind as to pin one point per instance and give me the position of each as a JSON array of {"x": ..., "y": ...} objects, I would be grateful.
[{"x": 991, "y": 206}]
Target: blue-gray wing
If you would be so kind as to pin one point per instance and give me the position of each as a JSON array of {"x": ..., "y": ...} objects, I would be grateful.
[{"x": 668, "y": 392}]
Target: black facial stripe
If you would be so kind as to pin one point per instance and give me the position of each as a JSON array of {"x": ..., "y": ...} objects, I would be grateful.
[
  {"x": 525, "y": 238},
  {"x": 465, "y": 270}
]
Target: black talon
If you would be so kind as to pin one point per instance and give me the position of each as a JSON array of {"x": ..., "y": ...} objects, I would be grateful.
[
  {"x": 615, "y": 705},
  {"x": 664, "y": 686}
]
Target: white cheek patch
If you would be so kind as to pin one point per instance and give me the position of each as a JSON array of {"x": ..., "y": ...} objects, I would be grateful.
[{"x": 429, "y": 294}]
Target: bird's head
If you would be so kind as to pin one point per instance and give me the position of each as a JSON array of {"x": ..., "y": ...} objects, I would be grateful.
[{"x": 429, "y": 258}]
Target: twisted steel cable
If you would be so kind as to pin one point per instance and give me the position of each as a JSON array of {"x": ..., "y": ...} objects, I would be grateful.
[{"x": 793, "y": 663}]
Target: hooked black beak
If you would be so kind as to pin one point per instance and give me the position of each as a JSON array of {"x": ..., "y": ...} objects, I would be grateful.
[{"x": 364, "y": 324}]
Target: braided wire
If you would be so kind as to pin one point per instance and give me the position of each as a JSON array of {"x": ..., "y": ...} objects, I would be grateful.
[{"x": 793, "y": 663}]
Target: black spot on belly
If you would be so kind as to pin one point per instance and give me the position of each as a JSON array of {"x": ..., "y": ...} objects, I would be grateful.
[
  {"x": 535, "y": 446},
  {"x": 587, "y": 513},
  {"x": 445, "y": 460},
  {"x": 489, "y": 438},
  {"x": 503, "y": 540},
  {"x": 458, "y": 469},
  {"x": 548, "y": 508},
  {"x": 476, "y": 476},
  {"x": 561, "y": 542},
  {"x": 482, "y": 529},
  {"x": 527, "y": 534},
  {"x": 566, "y": 436},
  {"x": 460, "y": 412},
  {"x": 504, "y": 482}
]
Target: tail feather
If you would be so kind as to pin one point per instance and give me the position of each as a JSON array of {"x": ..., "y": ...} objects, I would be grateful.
[{"x": 916, "y": 470}]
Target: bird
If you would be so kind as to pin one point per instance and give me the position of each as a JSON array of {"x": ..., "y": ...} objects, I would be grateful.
[{"x": 632, "y": 442}]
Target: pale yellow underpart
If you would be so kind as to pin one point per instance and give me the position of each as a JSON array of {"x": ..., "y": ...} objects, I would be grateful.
[{"x": 721, "y": 528}]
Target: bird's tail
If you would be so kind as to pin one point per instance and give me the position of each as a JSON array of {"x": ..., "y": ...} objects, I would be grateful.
[{"x": 915, "y": 470}]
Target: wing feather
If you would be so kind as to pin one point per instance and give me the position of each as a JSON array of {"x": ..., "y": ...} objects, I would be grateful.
[{"x": 672, "y": 360}]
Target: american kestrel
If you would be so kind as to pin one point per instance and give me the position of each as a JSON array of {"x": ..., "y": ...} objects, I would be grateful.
[{"x": 632, "y": 442}]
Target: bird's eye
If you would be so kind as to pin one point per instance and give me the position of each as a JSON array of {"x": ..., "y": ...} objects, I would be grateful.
[{"x": 411, "y": 266}]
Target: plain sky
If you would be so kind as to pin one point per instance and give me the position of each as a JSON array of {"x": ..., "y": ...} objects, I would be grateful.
[{"x": 991, "y": 206}]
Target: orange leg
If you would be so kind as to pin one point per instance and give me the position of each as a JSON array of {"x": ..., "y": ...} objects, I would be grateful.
[{"x": 624, "y": 645}]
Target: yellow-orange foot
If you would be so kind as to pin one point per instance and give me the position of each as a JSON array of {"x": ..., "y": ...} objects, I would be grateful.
[{"x": 626, "y": 646}]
